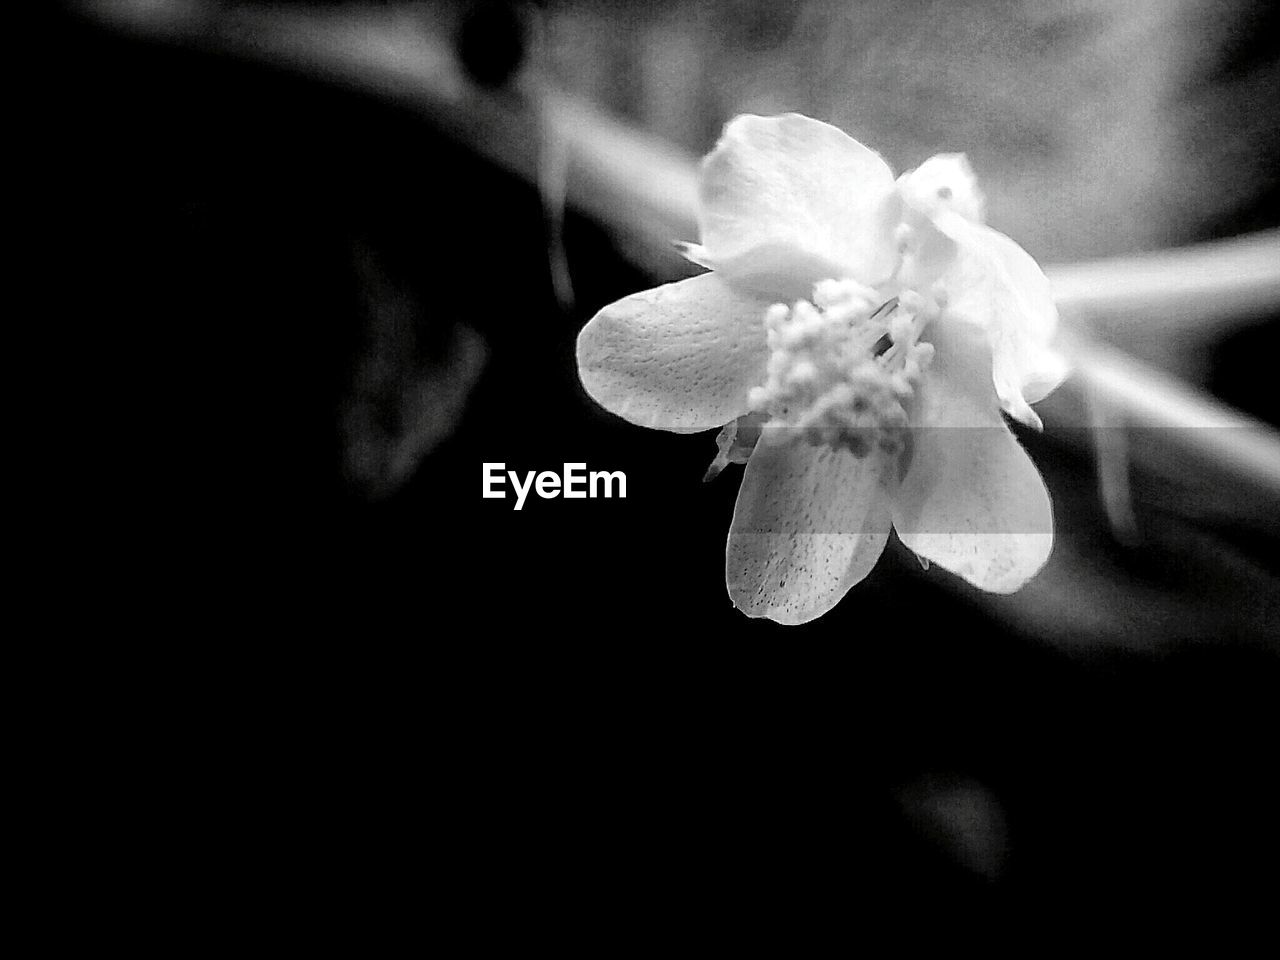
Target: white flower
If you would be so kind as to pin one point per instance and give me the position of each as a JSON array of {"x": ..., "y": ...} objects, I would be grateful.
[{"x": 911, "y": 326}]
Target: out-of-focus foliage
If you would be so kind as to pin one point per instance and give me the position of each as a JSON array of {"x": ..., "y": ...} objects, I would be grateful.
[{"x": 1120, "y": 117}]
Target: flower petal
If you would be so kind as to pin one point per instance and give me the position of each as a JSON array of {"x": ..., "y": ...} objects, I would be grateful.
[
  {"x": 776, "y": 271},
  {"x": 810, "y": 522},
  {"x": 944, "y": 182},
  {"x": 795, "y": 200},
  {"x": 678, "y": 357},
  {"x": 971, "y": 501},
  {"x": 996, "y": 284}
]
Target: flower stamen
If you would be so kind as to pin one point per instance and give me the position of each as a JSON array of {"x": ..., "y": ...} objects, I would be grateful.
[{"x": 842, "y": 367}]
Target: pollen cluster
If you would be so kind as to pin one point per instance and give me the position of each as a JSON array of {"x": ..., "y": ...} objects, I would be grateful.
[{"x": 842, "y": 368}]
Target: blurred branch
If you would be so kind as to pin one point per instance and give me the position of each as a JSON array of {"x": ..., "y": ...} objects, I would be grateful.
[
  {"x": 646, "y": 190},
  {"x": 1197, "y": 432},
  {"x": 1189, "y": 292}
]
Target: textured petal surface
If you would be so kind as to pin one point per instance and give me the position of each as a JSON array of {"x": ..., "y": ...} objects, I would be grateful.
[
  {"x": 810, "y": 522},
  {"x": 793, "y": 199},
  {"x": 996, "y": 284},
  {"x": 678, "y": 357},
  {"x": 971, "y": 501}
]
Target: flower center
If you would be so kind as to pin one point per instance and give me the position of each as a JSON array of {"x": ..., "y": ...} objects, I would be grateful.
[{"x": 841, "y": 368}]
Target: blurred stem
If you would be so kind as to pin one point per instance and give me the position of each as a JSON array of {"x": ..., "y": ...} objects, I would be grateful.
[
  {"x": 1184, "y": 293},
  {"x": 1206, "y": 432}
]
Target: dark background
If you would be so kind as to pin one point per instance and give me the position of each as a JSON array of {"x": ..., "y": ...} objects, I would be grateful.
[{"x": 556, "y": 714}]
